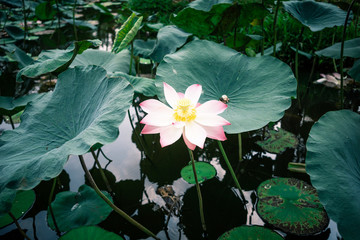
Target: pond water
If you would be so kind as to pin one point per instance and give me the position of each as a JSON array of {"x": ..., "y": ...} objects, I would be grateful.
[{"x": 136, "y": 180}]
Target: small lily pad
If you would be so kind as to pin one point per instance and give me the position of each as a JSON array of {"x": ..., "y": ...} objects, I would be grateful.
[
  {"x": 204, "y": 171},
  {"x": 249, "y": 233},
  {"x": 76, "y": 209},
  {"x": 278, "y": 141},
  {"x": 23, "y": 202},
  {"x": 90, "y": 233},
  {"x": 291, "y": 205}
]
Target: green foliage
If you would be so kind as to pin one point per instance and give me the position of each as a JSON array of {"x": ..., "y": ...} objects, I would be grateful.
[
  {"x": 278, "y": 141},
  {"x": 250, "y": 232},
  {"x": 351, "y": 49},
  {"x": 90, "y": 233},
  {"x": 204, "y": 171}
]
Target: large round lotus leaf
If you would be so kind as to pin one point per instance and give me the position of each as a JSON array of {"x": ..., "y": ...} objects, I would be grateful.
[
  {"x": 111, "y": 62},
  {"x": 316, "y": 15},
  {"x": 145, "y": 86},
  {"x": 23, "y": 201},
  {"x": 202, "y": 16},
  {"x": 204, "y": 171},
  {"x": 76, "y": 209},
  {"x": 351, "y": 49},
  {"x": 333, "y": 163},
  {"x": 169, "y": 38},
  {"x": 90, "y": 233},
  {"x": 56, "y": 60},
  {"x": 278, "y": 141},
  {"x": 291, "y": 205},
  {"x": 143, "y": 48},
  {"x": 259, "y": 89},
  {"x": 250, "y": 233},
  {"x": 85, "y": 108},
  {"x": 10, "y": 106}
]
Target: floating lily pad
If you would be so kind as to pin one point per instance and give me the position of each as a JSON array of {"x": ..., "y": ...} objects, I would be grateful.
[
  {"x": 291, "y": 205},
  {"x": 354, "y": 72},
  {"x": 316, "y": 15},
  {"x": 126, "y": 33},
  {"x": 250, "y": 233},
  {"x": 85, "y": 108},
  {"x": 76, "y": 209},
  {"x": 333, "y": 163},
  {"x": 55, "y": 60},
  {"x": 259, "y": 89},
  {"x": 169, "y": 38},
  {"x": 90, "y": 233},
  {"x": 278, "y": 141},
  {"x": 10, "y": 106},
  {"x": 351, "y": 49},
  {"x": 204, "y": 171},
  {"x": 22, "y": 202}
]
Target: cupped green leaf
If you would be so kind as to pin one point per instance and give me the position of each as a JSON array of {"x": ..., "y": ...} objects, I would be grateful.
[
  {"x": 351, "y": 49},
  {"x": 76, "y": 209},
  {"x": 55, "y": 60},
  {"x": 22, "y": 202},
  {"x": 111, "y": 62},
  {"x": 278, "y": 141},
  {"x": 204, "y": 171},
  {"x": 90, "y": 233},
  {"x": 169, "y": 39},
  {"x": 10, "y": 106},
  {"x": 316, "y": 15},
  {"x": 14, "y": 32},
  {"x": 250, "y": 233},
  {"x": 291, "y": 205},
  {"x": 145, "y": 86},
  {"x": 354, "y": 72},
  {"x": 143, "y": 48},
  {"x": 85, "y": 108},
  {"x": 201, "y": 16},
  {"x": 259, "y": 89},
  {"x": 333, "y": 163},
  {"x": 305, "y": 54},
  {"x": 126, "y": 33},
  {"x": 18, "y": 55}
]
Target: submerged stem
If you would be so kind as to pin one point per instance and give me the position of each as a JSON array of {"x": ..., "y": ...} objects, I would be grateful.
[
  {"x": 231, "y": 170},
  {"x": 111, "y": 204},
  {"x": 198, "y": 191},
  {"x": 18, "y": 226}
]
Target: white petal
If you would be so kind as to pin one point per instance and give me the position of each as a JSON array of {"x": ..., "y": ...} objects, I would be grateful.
[
  {"x": 171, "y": 95},
  {"x": 158, "y": 119},
  {"x": 215, "y": 133},
  {"x": 169, "y": 135},
  {"x": 195, "y": 134},
  {"x": 211, "y": 120},
  {"x": 193, "y": 93},
  {"x": 188, "y": 143},
  {"x": 211, "y": 107},
  {"x": 155, "y": 106},
  {"x": 148, "y": 129}
]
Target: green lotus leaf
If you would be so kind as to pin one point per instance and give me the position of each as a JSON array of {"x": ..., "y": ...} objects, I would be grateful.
[
  {"x": 7, "y": 197},
  {"x": 45, "y": 11},
  {"x": 169, "y": 38},
  {"x": 76, "y": 209},
  {"x": 201, "y": 16},
  {"x": 7, "y": 40},
  {"x": 333, "y": 163},
  {"x": 250, "y": 233},
  {"x": 80, "y": 23},
  {"x": 354, "y": 72},
  {"x": 305, "y": 54},
  {"x": 291, "y": 205},
  {"x": 90, "y": 233},
  {"x": 278, "y": 141},
  {"x": 126, "y": 33},
  {"x": 143, "y": 48},
  {"x": 10, "y": 106},
  {"x": 14, "y": 32},
  {"x": 111, "y": 62},
  {"x": 259, "y": 89},
  {"x": 270, "y": 51},
  {"x": 145, "y": 86},
  {"x": 351, "y": 49},
  {"x": 316, "y": 15},
  {"x": 204, "y": 171},
  {"x": 56, "y": 60},
  {"x": 18, "y": 55},
  {"x": 85, "y": 108},
  {"x": 22, "y": 202}
]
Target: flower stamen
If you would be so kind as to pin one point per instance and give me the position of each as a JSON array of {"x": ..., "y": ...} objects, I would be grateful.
[{"x": 184, "y": 111}]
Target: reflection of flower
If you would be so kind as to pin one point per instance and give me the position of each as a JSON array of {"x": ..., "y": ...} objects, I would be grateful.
[{"x": 186, "y": 117}]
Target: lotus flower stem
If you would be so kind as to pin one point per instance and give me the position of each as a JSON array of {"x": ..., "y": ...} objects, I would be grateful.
[
  {"x": 25, "y": 20},
  {"x": 274, "y": 24},
  {"x": 198, "y": 191},
  {"x": 297, "y": 65},
  {"x": 342, "y": 55},
  {"x": 12, "y": 122},
  {"x": 74, "y": 25},
  {"x": 58, "y": 22},
  {"x": 101, "y": 171},
  {"x": 231, "y": 171},
  {"x": 131, "y": 57},
  {"x": 50, "y": 208},
  {"x": 240, "y": 147},
  {"x": 111, "y": 204},
  {"x": 332, "y": 43},
  {"x": 18, "y": 226},
  {"x": 314, "y": 60}
]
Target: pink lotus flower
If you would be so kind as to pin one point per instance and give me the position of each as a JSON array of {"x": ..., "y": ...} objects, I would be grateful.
[{"x": 185, "y": 117}]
